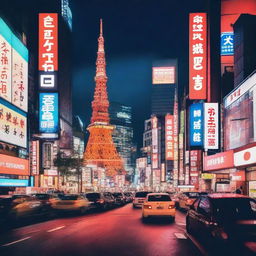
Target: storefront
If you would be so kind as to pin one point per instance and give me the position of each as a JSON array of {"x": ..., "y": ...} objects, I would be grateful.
[{"x": 245, "y": 159}]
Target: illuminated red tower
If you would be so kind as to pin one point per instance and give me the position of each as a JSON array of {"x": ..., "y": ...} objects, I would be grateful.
[{"x": 100, "y": 149}]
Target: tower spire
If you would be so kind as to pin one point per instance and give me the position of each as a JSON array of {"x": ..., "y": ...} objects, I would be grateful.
[{"x": 101, "y": 27}]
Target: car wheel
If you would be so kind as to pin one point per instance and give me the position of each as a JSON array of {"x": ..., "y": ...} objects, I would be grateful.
[
  {"x": 188, "y": 226},
  {"x": 82, "y": 210}
]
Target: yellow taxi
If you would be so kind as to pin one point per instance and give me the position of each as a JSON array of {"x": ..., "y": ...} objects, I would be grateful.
[
  {"x": 70, "y": 202},
  {"x": 158, "y": 204}
]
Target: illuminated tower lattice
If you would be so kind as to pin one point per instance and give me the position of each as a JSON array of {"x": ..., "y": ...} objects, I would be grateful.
[{"x": 100, "y": 149}]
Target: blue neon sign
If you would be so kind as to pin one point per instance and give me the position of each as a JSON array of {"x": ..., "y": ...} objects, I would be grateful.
[
  {"x": 48, "y": 113},
  {"x": 227, "y": 43},
  {"x": 196, "y": 132},
  {"x": 13, "y": 183}
]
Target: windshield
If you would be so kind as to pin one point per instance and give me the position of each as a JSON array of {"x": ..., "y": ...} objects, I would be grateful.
[
  {"x": 68, "y": 197},
  {"x": 192, "y": 194},
  {"x": 141, "y": 194},
  {"x": 42, "y": 196},
  {"x": 159, "y": 198},
  {"x": 117, "y": 194},
  {"x": 234, "y": 208},
  {"x": 93, "y": 196}
]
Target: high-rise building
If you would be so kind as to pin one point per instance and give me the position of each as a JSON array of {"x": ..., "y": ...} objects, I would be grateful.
[
  {"x": 100, "y": 148},
  {"x": 165, "y": 81},
  {"x": 244, "y": 47},
  {"x": 121, "y": 117}
]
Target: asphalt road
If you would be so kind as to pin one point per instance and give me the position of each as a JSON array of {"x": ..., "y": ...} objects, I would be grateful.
[{"x": 119, "y": 232}]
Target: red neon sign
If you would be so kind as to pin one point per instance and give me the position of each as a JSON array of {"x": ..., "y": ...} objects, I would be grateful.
[
  {"x": 197, "y": 56},
  {"x": 48, "y": 42},
  {"x": 169, "y": 137}
]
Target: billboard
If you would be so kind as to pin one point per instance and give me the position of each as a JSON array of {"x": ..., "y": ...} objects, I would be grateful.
[
  {"x": 65, "y": 141},
  {"x": 245, "y": 157},
  {"x": 227, "y": 43},
  {"x": 169, "y": 137},
  {"x": 13, "y": 68},
  {"x": 239, "y": 115},
  {"x": 196, "y": 120},
  {"x": 163, "y": 75},
  {"x": 154, "y": 142},
  {"x": 195, "y": 156},
  {"x": 48, "y": 113},
  {"x": 48, "y": 50},
  {"x": 211, "y": 126},
  {"x": 13, "y": 124},
  {"x": 197, "y": 56},
  {"x": 220, "y": 161},
  {"x": 13, "y": 165}
]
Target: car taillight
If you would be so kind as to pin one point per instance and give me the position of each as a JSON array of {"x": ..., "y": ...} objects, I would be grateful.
[
  {"x": 189, "y": 201},
  {"x": 101, "y": 201},
  {"x": 147, "y": 207},
  {"x": 171, "y": 207}
]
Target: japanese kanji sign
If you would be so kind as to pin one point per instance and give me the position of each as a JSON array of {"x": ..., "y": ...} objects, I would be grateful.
[
  {"x": 48, "y": 113},
  {"x": 155, "y": 152},
  {"x": 197, "y": 56},
  {"x": 48, "y": 50},
  {"x": 13, "y": 124},
  {"x": 211, "y": 126},
  {"x": 34, "y": 157},
  {"x": 169, "y": 137},
  {"x": 13, "y": 68},
  {"x": 226, "y": 43},
  {"x": 196, "y": 116}
]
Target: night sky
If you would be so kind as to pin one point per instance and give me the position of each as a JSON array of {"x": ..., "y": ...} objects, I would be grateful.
[{"x": 136, "y": 33}]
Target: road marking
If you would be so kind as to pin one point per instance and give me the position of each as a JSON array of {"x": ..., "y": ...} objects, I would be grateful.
[
  {"x": 17, "y": 241},
  {"x": 180, "y": 236},
  {"x": 54, "y": 229}
]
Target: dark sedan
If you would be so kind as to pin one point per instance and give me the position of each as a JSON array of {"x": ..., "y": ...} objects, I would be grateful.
[
  {"x": 224, "y": 217},
  {"x": 102, "y": 201}
]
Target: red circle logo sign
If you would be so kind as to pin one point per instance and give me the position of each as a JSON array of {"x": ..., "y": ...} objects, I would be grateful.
[{"x": 247, "y": 156}]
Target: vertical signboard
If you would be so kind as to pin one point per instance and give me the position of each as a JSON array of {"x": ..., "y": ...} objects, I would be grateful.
[
  {"x": 34, "y": 157},
  {"x": 48, "y": 50},
  {"x": 169, "y": 137},
  {"x": 13, "y": 68},
  {"x": 176, "y": 146},
  {"x": 48, "y": 113},
  {"x": 197, "y": 56},
  {"x": 194, "y": 167},
  {"x": 154, "y": 142},
  {"x": 211, "y": 126},
  {"x": 196, "y": 117}
]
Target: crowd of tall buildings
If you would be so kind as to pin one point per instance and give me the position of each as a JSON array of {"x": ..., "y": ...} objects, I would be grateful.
[{"x": 215, "y": 141}]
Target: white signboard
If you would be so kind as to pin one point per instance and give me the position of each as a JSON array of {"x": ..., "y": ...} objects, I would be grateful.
[
  {"x": 245, "y": 157},
  {"x": 211, "y": 126},
  {"x": 5, "y": 70}
]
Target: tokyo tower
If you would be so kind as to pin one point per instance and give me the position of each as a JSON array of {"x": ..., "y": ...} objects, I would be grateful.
[{"x": 100, "y": 148}]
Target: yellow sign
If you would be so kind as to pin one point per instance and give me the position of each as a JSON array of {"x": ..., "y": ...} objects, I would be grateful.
[{"x": 207, "y": 176}]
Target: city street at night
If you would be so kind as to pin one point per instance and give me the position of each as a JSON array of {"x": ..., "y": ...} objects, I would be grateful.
[
  {"x": 127, "y": 128},
  {"x": 116, "y": 232}
]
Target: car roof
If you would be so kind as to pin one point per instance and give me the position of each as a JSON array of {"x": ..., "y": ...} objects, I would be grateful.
[
  {"x": 154, "y": 194},
  {"x": 226, "y": 195}
]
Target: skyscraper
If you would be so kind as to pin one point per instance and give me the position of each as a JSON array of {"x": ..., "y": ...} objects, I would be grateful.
[
  {"x": 121, "y": 118},
  {"x": 100, "y": 148}
]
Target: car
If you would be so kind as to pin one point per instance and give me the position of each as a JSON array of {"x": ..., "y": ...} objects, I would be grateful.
[
  {"x": 186, "y": 199},
  {"x": 101, "y": 201},
  {"x": 128, "y": 197},
  {"x": 158, "y": 204},
  {"x": 119, "y": 198},
  {"x": 16, "y": 207},
  {"x": 223, "y": 217},
  {"x": 70, "y": 203},
  {"x": 46, "y": 200},
  {"x": 139, "y": 198}
]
